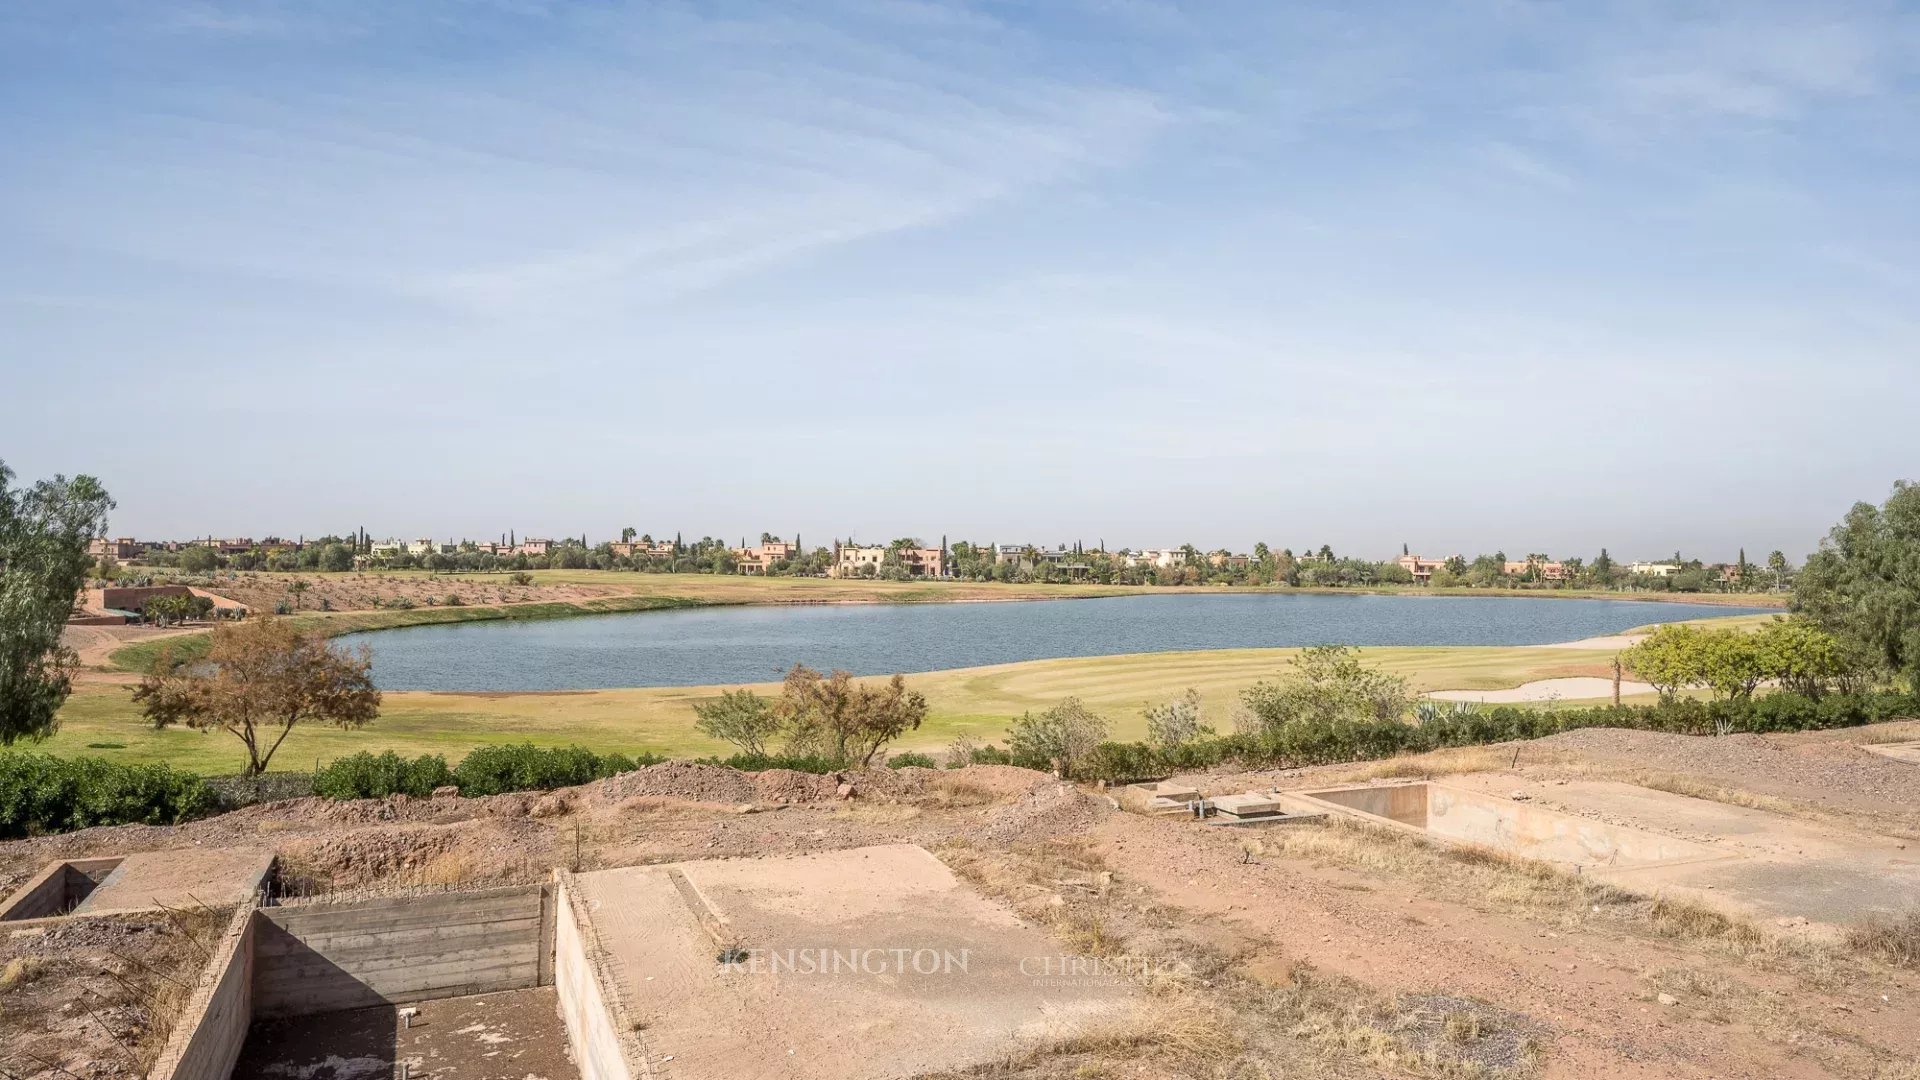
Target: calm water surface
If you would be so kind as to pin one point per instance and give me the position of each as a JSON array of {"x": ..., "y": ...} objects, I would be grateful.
[{"x": 705, "y": 646}]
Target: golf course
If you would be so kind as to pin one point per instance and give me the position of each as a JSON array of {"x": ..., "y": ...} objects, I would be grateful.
[{"x": 101, "y": 719}]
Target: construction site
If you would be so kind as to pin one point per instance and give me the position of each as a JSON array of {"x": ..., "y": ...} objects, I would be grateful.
[{"x": 1601, "y": 902}]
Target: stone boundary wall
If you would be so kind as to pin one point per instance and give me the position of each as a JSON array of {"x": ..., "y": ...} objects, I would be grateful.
[
  {"x": 317, "y": 957},
  {"x": 603, "y": 1047},
  {"x": 211, "y": 1030}
]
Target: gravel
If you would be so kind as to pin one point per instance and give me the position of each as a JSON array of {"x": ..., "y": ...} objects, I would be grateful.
[{"x": 1829, "y": 770}]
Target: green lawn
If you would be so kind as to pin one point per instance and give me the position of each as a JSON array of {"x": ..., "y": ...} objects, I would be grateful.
[{"x": 978, "y": 701}]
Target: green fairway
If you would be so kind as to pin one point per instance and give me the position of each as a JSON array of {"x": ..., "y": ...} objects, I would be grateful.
[{"x": 977, "y": 701}]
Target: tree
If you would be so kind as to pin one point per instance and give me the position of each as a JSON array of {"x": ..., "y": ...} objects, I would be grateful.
[
  {"x": 740, "y": 717},
  {"x": 1730, "y": 663},
  {"x": 44, "y": 532},
  {"x": 1177, "y": 722},
  {"x": 336, "y": 557},
  {"x": 1801, "y": 657},
  {"x": 847, "y": 722},
  {"x": 1603, "y": 568},
  {"x": 1668, "y": 659},
  {"x": 1778, "y": 566},
  {"x": 259, "y": 679},
  {"x": 1063, "y": 735},
  {"x": 198, "y": 559},
  {"x": 626, "y": 535},
  {"x": 1327, "y": 684},
  {"x": 1863, "y": 585}
]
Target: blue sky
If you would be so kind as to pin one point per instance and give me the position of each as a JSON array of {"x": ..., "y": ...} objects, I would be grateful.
[{"x": 1538, "y": 277}]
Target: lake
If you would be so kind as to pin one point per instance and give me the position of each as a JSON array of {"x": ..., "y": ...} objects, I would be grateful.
[{"x": 705, "y": 646}]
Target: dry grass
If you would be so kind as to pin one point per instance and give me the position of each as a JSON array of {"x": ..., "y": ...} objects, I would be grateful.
[
  {"x": 1891, "y": 940},
  {"x": 21, "y": 970},
  {"x": 1466, "y": 874},
  {"x": 960, "y": 792},
  {"x": 1438, "y": 763},
  {"x": 1200, "y": 1015}
]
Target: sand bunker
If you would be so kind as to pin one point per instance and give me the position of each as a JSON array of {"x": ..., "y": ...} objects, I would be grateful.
[{"x": 1570, "y": 689}]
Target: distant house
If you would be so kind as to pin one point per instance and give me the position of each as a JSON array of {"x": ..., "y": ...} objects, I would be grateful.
[
  {"x": 850, "y": 559},
  {"x": 385, "y": 549},
  {"x": 534, "y": 547},
  {"x": 1158, "y": 558},
  {"x": 1654, "y": 569},
  {"x": 1420, "y": 567},
  {"x": 1545, "y": 571},
  {"x": 122, "y": 549},
  {"x": 760, "y": 560}
]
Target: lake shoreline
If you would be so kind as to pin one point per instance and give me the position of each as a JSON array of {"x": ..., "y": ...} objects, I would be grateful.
[
  {"x": 138, "y": 657},
  {"x": 721, "y": 644}
]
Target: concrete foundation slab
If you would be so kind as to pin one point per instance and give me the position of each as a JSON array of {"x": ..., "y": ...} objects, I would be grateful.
[
  {"x": 867, "y": 963},
  {"x": 1908, "y": 752},
  {"x": 1770, "y": 865},
  {"x": 147, "y": 881},
  {"x": 1167, "y": 789}
]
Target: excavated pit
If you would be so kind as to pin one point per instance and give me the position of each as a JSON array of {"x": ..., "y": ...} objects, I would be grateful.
[{"x": 1515, "y": 828}]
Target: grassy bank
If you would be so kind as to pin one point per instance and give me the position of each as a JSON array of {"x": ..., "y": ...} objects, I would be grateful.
[
  {"x": 100, "y": 718},
  {"x": 139, "y": 657}
]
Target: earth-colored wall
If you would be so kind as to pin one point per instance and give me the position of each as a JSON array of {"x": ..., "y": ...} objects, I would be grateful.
[
  {"x": 585, "y": 1007},
  {"x": 316, "y": 957},
  {"x": 210, "y": 1032}
]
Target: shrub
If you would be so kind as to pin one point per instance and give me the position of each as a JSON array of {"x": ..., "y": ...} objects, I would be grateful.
[
  {"x": 1177, "y": 722},
  {"x": 915, "y": 760},
  {"x": 1302, "y": 742},
  {"x": 371, "y": 776},
  {"x": 1060, "y": 737},
  {"x": 493, "y": 770},
  {"x": 988, "y": 755},
  {"x": 807, "y": 763},
  {"x": 40, "y": 793}
]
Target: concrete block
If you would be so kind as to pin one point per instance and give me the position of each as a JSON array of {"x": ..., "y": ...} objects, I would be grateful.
[
  {"x": 1247, "y": 804},
  {"x": 1167, "y": 789},
  {"x": 1168, "y": 807}
]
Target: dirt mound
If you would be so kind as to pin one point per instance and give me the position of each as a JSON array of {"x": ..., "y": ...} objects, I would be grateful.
[
  {"x": 402, "y": 854},
  {"x": 1044, "y": 812},
  {"x": 717, "y": 784},
  {"x": 680, "y": 780}
]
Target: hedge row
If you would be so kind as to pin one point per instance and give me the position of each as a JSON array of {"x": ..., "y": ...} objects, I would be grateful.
[
  {"x": 489, "y": 770},
  {"x": 1294, "y": 745},
  {"x": 40, "y": 793}
]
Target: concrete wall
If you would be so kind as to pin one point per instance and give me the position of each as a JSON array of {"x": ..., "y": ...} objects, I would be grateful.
[
  {"x": 207, "y": 1037},
  {"x": 586, "y": 1001},
  {"x": 315, "y": 957},
  {"x": 57, "y": 889},
  {"x": 1404, "y": 803}
]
